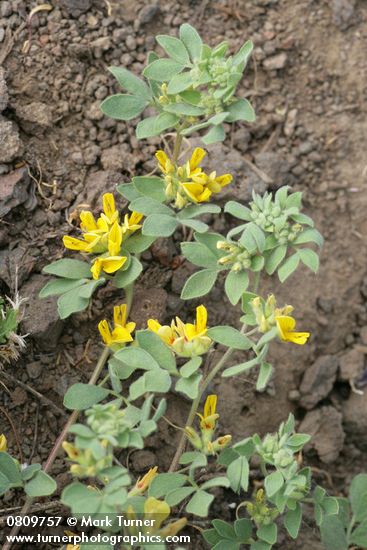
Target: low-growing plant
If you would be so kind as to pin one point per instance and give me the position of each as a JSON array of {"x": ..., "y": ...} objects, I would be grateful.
[{"x": 192, "y": 90}]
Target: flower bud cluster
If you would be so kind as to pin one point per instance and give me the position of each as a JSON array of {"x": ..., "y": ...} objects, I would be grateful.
[
  {"x": 93, "y": 446},
  {"x": 273, "y": 218},
  {"x": 237, "y": 258},
  {"x": 106, "y": 420},
  {"x": 259, "y": 511}
]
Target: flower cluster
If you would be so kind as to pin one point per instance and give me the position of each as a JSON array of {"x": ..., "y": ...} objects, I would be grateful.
[
  {"x": 268, "y": 316},
  {"x": 277, "y": 216},
  {"x": 208, "y": 422},
  {"x": 121, "y": 333},
  {"x": 104, "y": 236},
  {"x": 260, "y": 512},
  {"x": 185, "y": 339},
  {"x": 188, "y": 183}
]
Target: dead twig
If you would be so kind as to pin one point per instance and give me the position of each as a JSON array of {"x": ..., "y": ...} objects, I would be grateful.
[
  {"x": 262, "y": 175},
  {"x": 34, "y": 392}
]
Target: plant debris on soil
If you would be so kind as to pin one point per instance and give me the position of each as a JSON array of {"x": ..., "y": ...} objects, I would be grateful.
[{"x": 59, "y": 153}]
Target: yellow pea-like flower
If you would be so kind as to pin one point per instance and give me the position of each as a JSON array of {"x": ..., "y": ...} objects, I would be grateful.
[
  {"x": 210, "y": 416},
  {"x": 143, "y": 483},
  {"x": 286, "y": 325},
  {"x": 110, "y": 265},
  {"x": 121, "y": 333},
  {"x": 159, "y": 509}
]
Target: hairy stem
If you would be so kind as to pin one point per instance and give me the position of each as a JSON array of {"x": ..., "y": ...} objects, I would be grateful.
[
  {"x": 177, "y": 147},
  {"x": 195, "y": 404}
]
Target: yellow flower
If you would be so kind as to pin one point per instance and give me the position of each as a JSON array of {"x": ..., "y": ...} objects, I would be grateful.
[
  {"x": 159, "y": 510},
  {"x": 197, "y": 192},
  {"x": 121, "y": 332},
  {"x": 173, "y": 528},
  {"x": 208, "y": 419},
  {"x": 131, "y": 223},
  {"x": 219, "y": 444},
  {"x": 71, "y": 451},
  {"x": 187, "y": 340},
  {"x": 216, "y": 183},
  {"x": 114, "y": 240},
  {"x": 143, "y": 483},
  {"x": 286, "y": 326},
  {"x": 164, "y": 162},
  {"x": 3, "y": 443},
  {"x": 110, "y": 264},
  {"x": 75, "y": 244},
  {"x": 110, "y": 214}
]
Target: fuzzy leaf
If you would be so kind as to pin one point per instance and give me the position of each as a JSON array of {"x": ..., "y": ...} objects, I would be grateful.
[
  {"x": 199, "y": 284},
  {"x": 191, "y": 38},
  {"x": 131, "y": 82},
  {"x": 123, "y": 106},
  {"x": 162, "y": 69}
]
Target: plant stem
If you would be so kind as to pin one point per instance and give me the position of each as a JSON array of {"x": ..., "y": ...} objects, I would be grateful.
[
  {"x": 350, "y": 527},
  {"x": 51, "y": 458},
  {"x": 129, "y": 295},
  {"x": 177, "y": 147},
  {"x": 195, "y": 404}
]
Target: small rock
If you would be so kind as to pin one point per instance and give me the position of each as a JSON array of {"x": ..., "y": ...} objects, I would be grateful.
[
  {"x": 363, "y": 335},
  {"x": 148, "y": 13},
  {"x": 41, "y": 318},
  {"x": 2, "y": 34},
  {"x": 6, "y": 8},
  {"x": 241, "y": 138},
  {"x": 143, "y": 460},
  {"x": 351, "y": 365},
  {"x": 4, "y": 97},
  {"x": 325, "y": 427},
  {"x": 11, "y": 145},
  {"x": 103, "y": 43},
  {"x": 318, "y": 380},
  {"x": 274, "y": 165},
  {"x": 275, "y": 62},
  {"x": 91, "y": 155},
  {"x": 113, "y": 158},
  {"x": 13, "y": 190},
  {"x": 35, "y": 112},
  {"x": 343, "y": 12},
  {"x": 97, "y": 183},
  {"x": 130, "y": 43},
  {"x": 76, "y": 7},
  {"x": 19, "y": 397},
  {"x": 34, "y": 369},
  {"x": 12, "y": 259},
  {"x": 355, "y": 419},
  {"x": 163, "y": 250},
  {"x": 290, "y": 122}
]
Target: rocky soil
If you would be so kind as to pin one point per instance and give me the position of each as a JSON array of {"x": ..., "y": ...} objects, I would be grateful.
[{"x": 308, "y": 83}]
